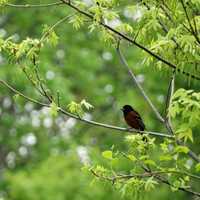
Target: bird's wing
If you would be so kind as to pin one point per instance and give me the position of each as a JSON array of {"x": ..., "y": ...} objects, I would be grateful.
[
  {"x": 138, "y": 118},
  {"x": 136, "y": 114},
  {"x": 142, "y": 126}
]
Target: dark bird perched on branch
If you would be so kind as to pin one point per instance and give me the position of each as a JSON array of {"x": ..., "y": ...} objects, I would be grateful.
[{"x": 133, "y": 118}]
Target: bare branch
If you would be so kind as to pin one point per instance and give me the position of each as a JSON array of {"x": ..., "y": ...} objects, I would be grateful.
[
  {"x": 34, "y": 6},
  {"x": 125, "y": 64},
  {"x": 58, "y": 98},
  {"x": 21, "y": 94},
  {"x": 55, "y": 25},
  {"x": 170, "y": 93},
  {"x": 41, "y": 86}
]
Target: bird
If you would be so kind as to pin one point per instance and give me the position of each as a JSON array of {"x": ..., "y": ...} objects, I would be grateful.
[{"x": 133, "y": 118}]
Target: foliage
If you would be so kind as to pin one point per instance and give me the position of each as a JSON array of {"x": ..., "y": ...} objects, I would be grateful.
[
  {"x": 53, "y": 177},
  {"x": 185, "y": 105},
  {"x": 58, "y": 60}
]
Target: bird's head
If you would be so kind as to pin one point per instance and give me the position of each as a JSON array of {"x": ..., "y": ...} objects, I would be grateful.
[{"x": 126, "y": 109}]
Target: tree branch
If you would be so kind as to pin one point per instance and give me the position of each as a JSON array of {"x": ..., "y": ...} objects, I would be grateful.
[
  {"x": 155, "y": 174},
  {"x": 125, "y": 64},
  {"x": 170, "y": 93},
  {"x": 159, "y": 117},
  {"x": 94, "y": 123},
  {"x": 55, "y": 25},
  {"x": 188, "y": 19},
  {"x": 34, "y": 6}
]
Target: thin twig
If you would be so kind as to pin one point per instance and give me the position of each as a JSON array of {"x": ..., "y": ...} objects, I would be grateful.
[
  {"x": 188, "y": 19},
  {"x": 32, "y": 81},
  {"x": 58, "y": 98},
  {"x": 21, "y": 94},
  {"x": 124, "y": 63},
  {"x": 170, "y": 93},
  {"x": 55, "y": 25},
  {"x": 44, "y": 92},
  {"x": 155, "y": 174},
  {"x": 33, "y": 6},
  {"x": 161, "y": 179},
  {"x": 165, "y": 181}
]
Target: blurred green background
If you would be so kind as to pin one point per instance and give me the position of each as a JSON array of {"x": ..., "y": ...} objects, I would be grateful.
[{"x": 42, "y": 157}]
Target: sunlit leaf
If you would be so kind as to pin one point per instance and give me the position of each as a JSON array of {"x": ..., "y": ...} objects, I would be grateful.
[{"x": 107, "y": 154}]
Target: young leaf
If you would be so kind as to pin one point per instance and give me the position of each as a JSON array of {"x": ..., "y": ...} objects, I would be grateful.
[
  {"x": 75, "y": 108},
  {"x": 107, "y": 154},
  {"x": 87, "y": 105},
  {"x": 132, "y": 157},
  {"x": 150, "y": 184},
  {"x": 182, "y": 149},
  {"x": 185, "y": 133},
  {"x": 197, "y": 167},
  {"x": 53, "y": 109}
]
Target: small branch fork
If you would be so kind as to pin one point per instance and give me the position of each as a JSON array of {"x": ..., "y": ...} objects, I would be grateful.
[
  {"x": 34, "y": 6},
  {"x": 61, "y": 110},
  {"x": 146, "y": 174},
  {"x": 192, "y": 30}
]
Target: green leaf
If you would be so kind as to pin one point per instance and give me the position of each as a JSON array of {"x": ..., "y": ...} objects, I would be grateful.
[
  {"x": 53, "y": 38},
  {"x": 3, "y": 2},
  {"x": 50, "y": 35},
  {"x": 126, "y": 28},
  {"x": 132, "y": 157},
  {"x": 185, "y": 133},
  {"x": 197, "y": 167},
  {"x": 107, "y": 154},
  {"x": 87, "y": 105},
  {"x": 53, "y": 109},
  {"x": 165, "y": 157},
  {"x": 150, "y": 162},
  {"x": 16, "y": 97},
  {"x": 150, "y": 184},
  {"x": 175, "y": 185},
  {"x": 77, "y": 21},
  {"x": 80, "y": 4},
  {"x": 182, "y": 149},
  {"x": 75, "y": 108},
  {"x": 115, "y": 162}
]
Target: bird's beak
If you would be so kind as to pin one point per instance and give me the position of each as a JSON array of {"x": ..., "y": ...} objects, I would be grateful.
[{"x": 121, "y": 109}]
